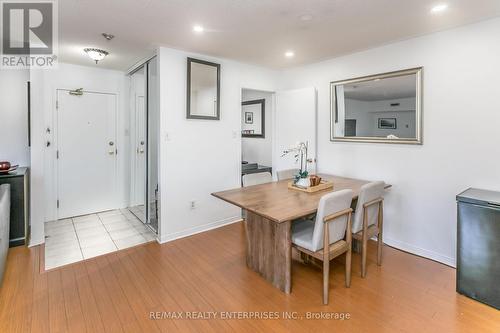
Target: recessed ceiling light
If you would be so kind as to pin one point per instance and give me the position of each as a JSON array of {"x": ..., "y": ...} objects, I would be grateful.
[
  {"x": 108, "y": 36},
  {"x": 439, "y": 8},
  {"x": 305, "y": 17},
  {"x": 289, "y": 54},
  {"x": 198, "y": 29}
]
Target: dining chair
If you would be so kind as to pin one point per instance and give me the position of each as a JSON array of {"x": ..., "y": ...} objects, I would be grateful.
[
  {"x": 313, "y": 239},
  {"x": 254, "y": 179},
  {"x": 368, "y": 220},
  {"x": 257, "y": 178},
  {"x": 287, "y": 174}
]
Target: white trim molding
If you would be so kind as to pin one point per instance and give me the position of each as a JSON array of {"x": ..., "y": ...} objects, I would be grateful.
[
  {"x": 198, "y": 229},
  {"x": 420, "y": 252}
]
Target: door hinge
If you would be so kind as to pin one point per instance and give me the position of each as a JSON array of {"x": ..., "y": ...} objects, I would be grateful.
[
  {"x": 57, "y": 154},
  {"x": 57, "y": 104},
  {"x": 57, "y": 203},
  {"x": 116, "y": 151}
]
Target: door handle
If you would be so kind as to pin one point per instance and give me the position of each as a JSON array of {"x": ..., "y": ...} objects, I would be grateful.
[{"x": 111, "y": 152}]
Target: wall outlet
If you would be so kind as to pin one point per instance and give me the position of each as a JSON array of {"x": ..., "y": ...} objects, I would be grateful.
[{"x": 192, "y": 204}]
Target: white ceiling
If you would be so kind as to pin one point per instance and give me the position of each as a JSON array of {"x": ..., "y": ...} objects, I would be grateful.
[{"x": 252, "y": 31}]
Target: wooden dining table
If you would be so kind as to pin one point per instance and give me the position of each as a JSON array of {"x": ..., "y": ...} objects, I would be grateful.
[{"x": 270, "y": 209}]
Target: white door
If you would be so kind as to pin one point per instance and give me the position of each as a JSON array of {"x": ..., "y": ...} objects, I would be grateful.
[
  {"x": 295, "y": 122},
  {"x": 86, "y": 145}
]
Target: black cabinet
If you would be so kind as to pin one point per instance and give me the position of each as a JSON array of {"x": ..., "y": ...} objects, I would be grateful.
[
  {"x": 478, "y": 246},
  {"x": 19, "y": 205}
]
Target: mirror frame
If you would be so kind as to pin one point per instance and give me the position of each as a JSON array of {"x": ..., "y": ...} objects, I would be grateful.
[
  {"x": 262, "y": 103},
  {"x": 188, "y": 102},
  {"x": 418, "y": 108}
]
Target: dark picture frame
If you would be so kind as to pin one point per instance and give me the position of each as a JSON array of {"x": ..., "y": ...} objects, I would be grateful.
[
  {"x": 387, "y": 123},
  {"x": 246, "y": 133},
  {"x": 248, "y": 117},
  {"x": 188, "y": 94}
]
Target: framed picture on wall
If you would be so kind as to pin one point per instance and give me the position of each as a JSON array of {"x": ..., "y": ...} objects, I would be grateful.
[
  {"x": 253, "y": 115},
  {"x": 248, "y": 117},
  {"x": 387, "y": 123}
]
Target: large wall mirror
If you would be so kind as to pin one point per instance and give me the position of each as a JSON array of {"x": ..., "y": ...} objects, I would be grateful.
[
  {"x": 383, "y": 108},
  {"x": 253, "y": 115},
  {"x": 203, "y": 89}
]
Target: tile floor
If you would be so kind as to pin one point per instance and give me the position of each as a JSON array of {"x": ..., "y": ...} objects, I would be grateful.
[
  {"x": 74, "y": 239},
  {"x": 139, "y": 212}
]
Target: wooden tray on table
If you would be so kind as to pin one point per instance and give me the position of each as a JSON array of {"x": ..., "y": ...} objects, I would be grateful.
[{"x": 324, "y": 185}]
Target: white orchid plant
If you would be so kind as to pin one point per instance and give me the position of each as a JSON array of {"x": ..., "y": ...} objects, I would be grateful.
[{"x": 300, "y": 151}]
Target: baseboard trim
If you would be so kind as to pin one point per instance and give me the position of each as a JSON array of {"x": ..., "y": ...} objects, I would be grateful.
[
  {"x": 199, "y": 229},
  {"x": 420, "y": 251},
  {"x": 36, "y": 242}
]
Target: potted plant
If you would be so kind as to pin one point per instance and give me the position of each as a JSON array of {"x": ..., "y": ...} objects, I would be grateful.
[{"x": 300, "y": 151}]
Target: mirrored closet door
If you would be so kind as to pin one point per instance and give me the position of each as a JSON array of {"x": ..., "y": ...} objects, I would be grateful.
[{"x": 144, "y": 123}]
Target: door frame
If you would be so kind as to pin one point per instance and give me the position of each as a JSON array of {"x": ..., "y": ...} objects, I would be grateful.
[{"x": 56, "y": 140}]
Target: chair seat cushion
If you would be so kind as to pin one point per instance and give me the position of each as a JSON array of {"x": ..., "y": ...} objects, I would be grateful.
[{"x": 302, "y": 234}]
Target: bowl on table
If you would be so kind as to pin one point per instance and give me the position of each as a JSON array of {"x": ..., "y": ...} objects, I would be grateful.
[
  {"x": 4, "y": 166},
  {"x": 4, "y": 170}
]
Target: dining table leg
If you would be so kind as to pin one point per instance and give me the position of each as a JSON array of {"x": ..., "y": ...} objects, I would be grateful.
[{"x": 269, "y": 250}]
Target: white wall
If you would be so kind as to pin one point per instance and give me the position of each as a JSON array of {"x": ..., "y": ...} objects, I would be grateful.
[
  {"x": 199, "y": 157},
  {"x": 259, "y": 150},
  {"x": 44, "y": 84},
  {"x": 460, "y": 131},
  {"x": 14, "y": 116}
]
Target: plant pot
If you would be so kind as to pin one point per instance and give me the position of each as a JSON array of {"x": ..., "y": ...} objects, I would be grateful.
[{"x": 303, "y": 182}]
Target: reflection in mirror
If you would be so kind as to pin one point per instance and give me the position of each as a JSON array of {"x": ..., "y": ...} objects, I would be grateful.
[
  {"x": 253, "y": 115},
  {"x": 203, "y": 89},
  {"x": 379, "y": 108},
  {"x": 139, "y": 134}
]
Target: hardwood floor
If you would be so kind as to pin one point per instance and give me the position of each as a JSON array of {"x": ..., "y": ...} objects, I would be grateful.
[{"x": 207, "y": 272}]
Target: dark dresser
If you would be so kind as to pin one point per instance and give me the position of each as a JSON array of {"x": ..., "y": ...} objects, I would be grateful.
[
  {"x": 254, "y": 168},
  {"x": 19, "y": 205},
  {"x": 478, "y": 245}
]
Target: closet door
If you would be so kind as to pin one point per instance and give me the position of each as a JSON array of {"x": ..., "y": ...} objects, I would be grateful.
[
  {"x": 295, "y": 122},
  {"x": 153, "y": 190}
]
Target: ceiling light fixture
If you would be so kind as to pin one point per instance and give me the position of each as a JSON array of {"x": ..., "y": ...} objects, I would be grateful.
[
  {"x": 96, "y": 54},
  {"x": 289, "y": 54},
  {"x": 439, "y": 8},
  {"x": 198, "y": 29}
]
